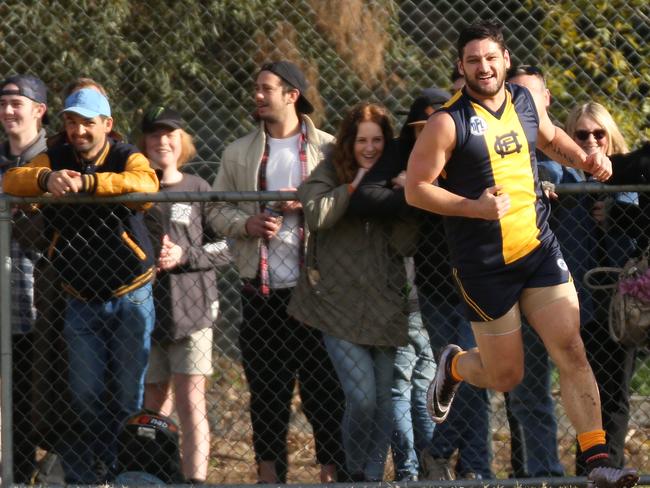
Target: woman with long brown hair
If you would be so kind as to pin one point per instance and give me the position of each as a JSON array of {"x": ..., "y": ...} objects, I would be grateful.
[{"x": 353, "y": 286}]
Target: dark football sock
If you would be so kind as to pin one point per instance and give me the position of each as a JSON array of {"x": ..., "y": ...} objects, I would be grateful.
[{"x": 596, "y": 456}]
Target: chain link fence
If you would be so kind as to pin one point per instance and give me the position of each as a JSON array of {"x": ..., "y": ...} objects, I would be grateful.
[
  {"x": 200, "y": 57},
  {"x": 517, "y": 435}
]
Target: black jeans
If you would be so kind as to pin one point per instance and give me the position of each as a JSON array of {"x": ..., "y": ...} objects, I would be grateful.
[
  {"x": 277, "y": 351},
  {"x": 23, "y": 433}
]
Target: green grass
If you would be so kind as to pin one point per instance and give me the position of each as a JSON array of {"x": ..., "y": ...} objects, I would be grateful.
[{"x": 641, "y": 379}]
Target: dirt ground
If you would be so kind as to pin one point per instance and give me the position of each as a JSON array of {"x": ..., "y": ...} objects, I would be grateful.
[{"x": 232, "y": 458}]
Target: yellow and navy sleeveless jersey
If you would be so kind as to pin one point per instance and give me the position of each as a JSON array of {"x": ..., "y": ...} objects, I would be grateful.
[{"x": 495, "y": 148}]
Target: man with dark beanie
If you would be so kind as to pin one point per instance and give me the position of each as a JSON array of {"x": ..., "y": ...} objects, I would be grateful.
[
  {"x": 268, "y": 242},
  {"x": 23, "y": 111}
]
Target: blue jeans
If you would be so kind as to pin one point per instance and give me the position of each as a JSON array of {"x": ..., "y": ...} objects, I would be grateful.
[
  {"x": 532, "y": 414},
  {"x": 467, "y": 426},
  {"x": 108, "y": 349},
  {"x": 366, "y": 375},
  {"x": 412, "y": 426}
]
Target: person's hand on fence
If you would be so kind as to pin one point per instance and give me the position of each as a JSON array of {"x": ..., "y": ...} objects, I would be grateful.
[
  {"x": 263, "y": 225},
  {"x": 64, "y": 181},
  {"x": 549, "y": 189}
]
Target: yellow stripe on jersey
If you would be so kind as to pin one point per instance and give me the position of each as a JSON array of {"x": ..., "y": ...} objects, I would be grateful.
[
  {"x": 511, "y": 167},
  {"x": 453, "y": 99},
  {"x": 479, "y": 311}
]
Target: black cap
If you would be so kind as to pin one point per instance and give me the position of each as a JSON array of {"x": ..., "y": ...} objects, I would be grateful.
[
  {"x": 433, "y": 97},
  {"x": 28, "y": 86},
  {"x": 290, "y": 73},
  {"x": 159, "y": 116},
  {"x": 437, "y": 96}
]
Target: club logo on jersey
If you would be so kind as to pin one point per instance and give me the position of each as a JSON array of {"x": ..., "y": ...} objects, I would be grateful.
[
  {"x": 562, "y": 265},
  {"x": 477, "y": 125},
  {"x": 507, "y": 144}
]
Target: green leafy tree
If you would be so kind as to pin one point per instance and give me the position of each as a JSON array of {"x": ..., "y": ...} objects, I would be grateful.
[{"x": 599, "y": 51}]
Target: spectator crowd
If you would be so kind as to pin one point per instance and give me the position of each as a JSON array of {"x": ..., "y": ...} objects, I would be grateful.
[{"x": 417, "y": 267}]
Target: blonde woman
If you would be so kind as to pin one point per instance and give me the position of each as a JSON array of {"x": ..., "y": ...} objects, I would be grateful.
[
  {"x": 593, "y": 128},
  {"x": 185, "y": 293}
]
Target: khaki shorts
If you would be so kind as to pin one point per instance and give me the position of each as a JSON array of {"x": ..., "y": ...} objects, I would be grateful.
[{"x": 191, "y": 355}]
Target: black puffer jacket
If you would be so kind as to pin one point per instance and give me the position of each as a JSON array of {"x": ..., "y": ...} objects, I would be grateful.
[{"x": 634, "y": 169}]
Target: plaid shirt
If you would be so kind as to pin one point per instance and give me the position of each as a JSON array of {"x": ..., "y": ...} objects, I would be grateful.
[{"x": 23, "y": 312}]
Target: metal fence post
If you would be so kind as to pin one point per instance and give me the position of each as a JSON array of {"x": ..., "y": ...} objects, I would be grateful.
[{"x": 6, "y": 401}]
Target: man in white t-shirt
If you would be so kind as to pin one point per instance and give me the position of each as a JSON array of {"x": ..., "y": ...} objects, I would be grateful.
[{"x": 268, "y": 244}]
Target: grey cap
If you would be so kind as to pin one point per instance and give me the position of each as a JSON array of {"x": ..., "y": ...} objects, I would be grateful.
[{"x": 27, "y": 86}]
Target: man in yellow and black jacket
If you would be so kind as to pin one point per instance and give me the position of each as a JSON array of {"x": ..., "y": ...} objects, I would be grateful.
[{"x": 105, "y": 261}]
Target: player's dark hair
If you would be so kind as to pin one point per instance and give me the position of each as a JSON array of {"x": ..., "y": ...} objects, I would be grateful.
[{"x": 484, "y": 29}]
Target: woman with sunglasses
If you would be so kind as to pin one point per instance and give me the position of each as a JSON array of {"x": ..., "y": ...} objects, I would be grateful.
[{"x": 593, "y": 129}]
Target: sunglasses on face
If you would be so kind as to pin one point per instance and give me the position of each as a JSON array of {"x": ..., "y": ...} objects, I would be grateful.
[{"x": 598, "y": 134}]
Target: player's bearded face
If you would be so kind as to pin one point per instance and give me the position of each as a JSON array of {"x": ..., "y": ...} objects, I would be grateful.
[{"x": 484, "y": 65}]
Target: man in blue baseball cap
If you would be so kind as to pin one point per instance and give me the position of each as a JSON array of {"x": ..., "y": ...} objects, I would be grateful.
[
  {"x": 87, "y": 121},
  {"x": 105, "y": 263}
]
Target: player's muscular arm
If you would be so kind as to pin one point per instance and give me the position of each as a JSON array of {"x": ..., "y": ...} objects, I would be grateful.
[
  {"x": 557, "y": 144},
  {"x": 563, "y": 150},
  {"x": 432, "y": 150}
]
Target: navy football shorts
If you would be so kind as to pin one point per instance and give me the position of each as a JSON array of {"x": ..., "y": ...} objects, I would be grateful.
[{"x": 490, "y": 295}]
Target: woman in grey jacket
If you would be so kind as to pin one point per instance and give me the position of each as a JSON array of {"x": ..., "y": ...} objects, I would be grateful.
[
  {"x": 353, "y": 286},
  {"x": 185, "y": 293}
]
